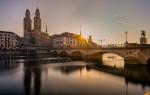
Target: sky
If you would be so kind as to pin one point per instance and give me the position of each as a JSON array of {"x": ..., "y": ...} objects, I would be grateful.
[{"x": 105, "y": 20}]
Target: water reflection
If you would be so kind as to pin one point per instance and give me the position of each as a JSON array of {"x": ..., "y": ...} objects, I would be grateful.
[
  {"x": 80, "y": 78},
  {"x": 133, "y": 74},
  {"x": 32, "y": 70},
  {"x": 7, "y": 63},
  {"x": 138, "y": 75},
  {"x": 33, "y": 81},
  {"x": 69, "y": 69}
]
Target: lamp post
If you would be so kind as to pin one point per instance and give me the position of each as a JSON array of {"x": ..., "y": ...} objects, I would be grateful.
[
  {"x": 126, "y": 37},
  {"x": 101, "y": 42},
  {"x": 126, "y": 42}
]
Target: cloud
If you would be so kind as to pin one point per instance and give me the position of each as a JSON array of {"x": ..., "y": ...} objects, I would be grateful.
[
  {"x": 122, "y": 22},
  {"x": 115, "y": 15}
]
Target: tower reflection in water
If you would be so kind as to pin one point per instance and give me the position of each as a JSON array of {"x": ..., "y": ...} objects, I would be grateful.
[{"x": 32, "y": 75}]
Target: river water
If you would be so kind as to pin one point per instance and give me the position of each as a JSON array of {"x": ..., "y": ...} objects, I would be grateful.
[{"x": 48, "y": 76}]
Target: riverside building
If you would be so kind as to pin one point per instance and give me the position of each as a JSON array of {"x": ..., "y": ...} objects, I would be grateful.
[
  {"x": 9, "y": 40},
  {"x": 67, "y": 41}
]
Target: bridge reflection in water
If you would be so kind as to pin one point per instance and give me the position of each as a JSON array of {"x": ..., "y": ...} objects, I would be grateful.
[{"x": 77, "y": 77}]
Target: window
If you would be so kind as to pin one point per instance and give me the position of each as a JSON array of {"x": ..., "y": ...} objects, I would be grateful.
[{"x": 71, "y": 42}]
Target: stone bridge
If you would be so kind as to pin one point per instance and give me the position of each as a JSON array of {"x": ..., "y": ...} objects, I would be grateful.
[{"x": 130, "y": 55}]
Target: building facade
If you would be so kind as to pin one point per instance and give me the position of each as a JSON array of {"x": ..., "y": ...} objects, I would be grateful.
[
  {"x": 34, "y": 37},
  {"x": 9, "y": 40},
  {"x": 67, "y": 41}
]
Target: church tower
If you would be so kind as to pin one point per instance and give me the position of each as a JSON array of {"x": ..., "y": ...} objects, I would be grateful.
[
  {"x": 143, "y": 39},
  {"x": 37, "y": 27},
  {"x": 27, "y": 28}
]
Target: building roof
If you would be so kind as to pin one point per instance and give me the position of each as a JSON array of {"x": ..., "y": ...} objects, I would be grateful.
[
  {"x": 65, "y": 34},
  {"x": 7, "y": 32}
]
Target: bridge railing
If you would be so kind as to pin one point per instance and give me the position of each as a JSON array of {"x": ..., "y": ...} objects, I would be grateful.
[
  {"x": 112, "y": 46},
  {"x": 123, "y": 46}
]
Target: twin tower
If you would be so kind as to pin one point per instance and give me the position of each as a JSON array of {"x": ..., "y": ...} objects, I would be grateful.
[{"x": 34, "y": 37}]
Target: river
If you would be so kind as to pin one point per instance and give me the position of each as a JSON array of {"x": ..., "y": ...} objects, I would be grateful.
[{"x": 45, "y": 76}]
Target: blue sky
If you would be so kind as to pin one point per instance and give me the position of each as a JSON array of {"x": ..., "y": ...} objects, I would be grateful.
[{"x": 103, "y": 19}]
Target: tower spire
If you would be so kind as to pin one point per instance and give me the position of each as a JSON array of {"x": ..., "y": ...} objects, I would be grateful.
[
  {"x": 80, "y": 31},
  {"x": 27, "y": 14},
  {"x": 37, "y": 13},
  {"x": 37, "y": 21},
  {"x": 46, "y": 28}
]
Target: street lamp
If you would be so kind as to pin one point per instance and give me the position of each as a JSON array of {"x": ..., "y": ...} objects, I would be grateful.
[
  {"x": 126, "y": 37},
  {"x": 101, "y": 42}
]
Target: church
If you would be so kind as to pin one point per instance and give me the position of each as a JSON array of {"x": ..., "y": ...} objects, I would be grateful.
[{"x": 34, "y": 37}]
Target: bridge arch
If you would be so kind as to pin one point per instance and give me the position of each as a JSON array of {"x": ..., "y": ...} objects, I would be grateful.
[
  {"x": 105, "y": 52},
  {"x": 113, "y": 60},
  {"x": 112, "y": 55},
  {"x": 77, "y": 55},
  {"x": 127, "y": 56},
  {"x": 148, "y": 62},
  {"x": 63, "y": 53},
  {"x": 55, "y": 53}
]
